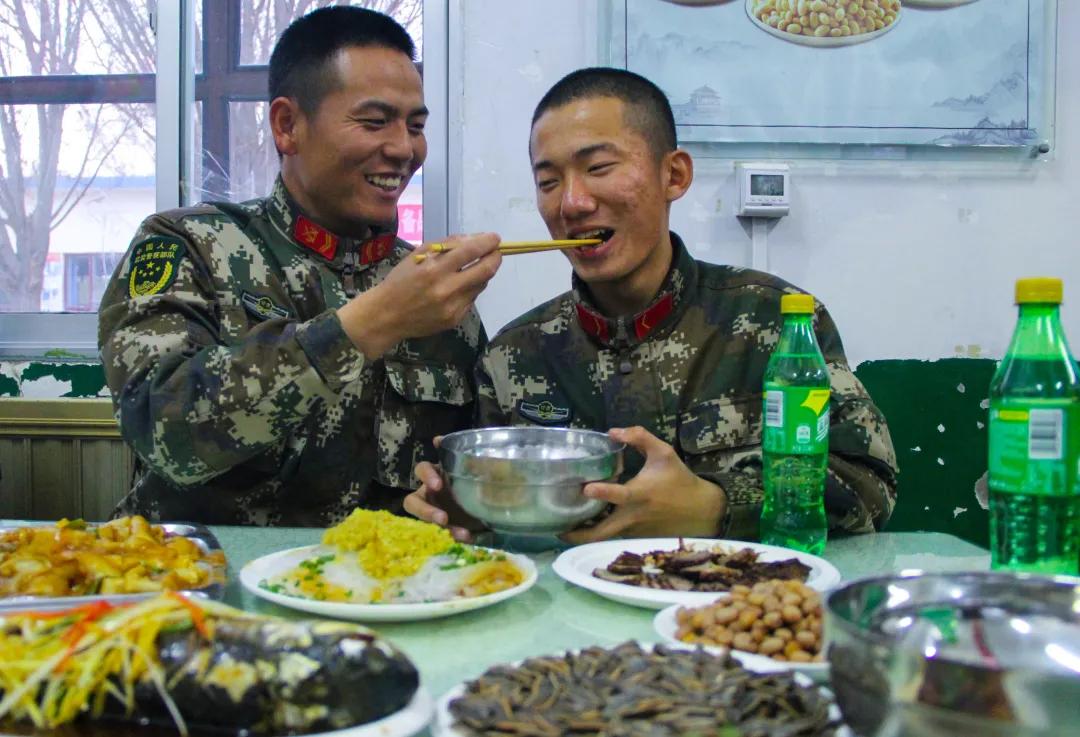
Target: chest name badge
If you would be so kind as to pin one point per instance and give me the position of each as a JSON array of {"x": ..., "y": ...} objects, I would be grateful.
[
  {"x": 544, "y": 412},
  {"x": 153, "y": 265},
  {"x": 262, "y": 306}
]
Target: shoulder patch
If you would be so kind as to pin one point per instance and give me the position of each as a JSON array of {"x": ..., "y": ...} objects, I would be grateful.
[
  {"x": 154, "y": 263},
  {"x": 544, "y": 413}
]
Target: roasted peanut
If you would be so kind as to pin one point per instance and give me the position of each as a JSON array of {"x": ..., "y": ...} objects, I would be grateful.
[
  {"x": 780, "y": 619},
  {"x": 827, "y": 18}
]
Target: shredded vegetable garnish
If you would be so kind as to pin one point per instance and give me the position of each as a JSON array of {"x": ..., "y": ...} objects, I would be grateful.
[{"x": 56, "y": 665}]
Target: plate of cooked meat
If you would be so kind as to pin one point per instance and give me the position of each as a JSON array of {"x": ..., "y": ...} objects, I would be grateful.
[{"x": 655, "y": 573}]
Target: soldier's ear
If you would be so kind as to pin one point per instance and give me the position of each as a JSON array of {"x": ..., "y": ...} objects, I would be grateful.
[
  {"x": 677, "y": 169},
  {"x": 286, "y": 124}
]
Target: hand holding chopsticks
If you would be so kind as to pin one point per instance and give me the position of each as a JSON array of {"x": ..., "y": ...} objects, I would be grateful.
[
  {"x": 513, "y": 248},
  {"x": 410, "y": 301}
]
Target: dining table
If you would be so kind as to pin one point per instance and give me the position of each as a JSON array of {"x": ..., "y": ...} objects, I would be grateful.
[{"x": 554, "y": 616}]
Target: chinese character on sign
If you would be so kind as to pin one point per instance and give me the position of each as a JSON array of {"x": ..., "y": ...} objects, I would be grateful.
[{"x": 411, "y": 223}]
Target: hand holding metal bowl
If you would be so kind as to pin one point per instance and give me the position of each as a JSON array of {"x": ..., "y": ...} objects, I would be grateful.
[
  {"x": 987, "y": 654},
  {"x": 528, "y": 480}
]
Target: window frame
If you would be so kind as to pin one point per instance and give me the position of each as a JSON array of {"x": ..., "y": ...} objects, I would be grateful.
[{"x": 174, "y": 88}]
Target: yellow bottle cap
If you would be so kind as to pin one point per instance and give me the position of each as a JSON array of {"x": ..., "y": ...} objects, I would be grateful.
[
  {"x": 1038, "y": 289},
  {"x": 797, "y": 304}
]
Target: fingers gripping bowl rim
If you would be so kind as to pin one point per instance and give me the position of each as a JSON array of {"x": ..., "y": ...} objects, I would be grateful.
[{"x": 528, "y": 480}]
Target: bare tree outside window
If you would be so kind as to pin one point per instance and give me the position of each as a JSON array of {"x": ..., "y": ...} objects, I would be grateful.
[
  {"x": 253, "y": 162},
  {"x": 52, "y": 151},
  {"x": 76, "y": 83}
]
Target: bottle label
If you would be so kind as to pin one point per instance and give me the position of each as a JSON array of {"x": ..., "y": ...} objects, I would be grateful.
[
  {"x": 1034, "y": 445},
  {"x": 796, "y": 419}
]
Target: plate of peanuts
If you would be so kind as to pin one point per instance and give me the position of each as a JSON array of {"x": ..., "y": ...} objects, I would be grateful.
[
  {"x": 825, "y": 22},
  {"x": 770, "y": 625}
]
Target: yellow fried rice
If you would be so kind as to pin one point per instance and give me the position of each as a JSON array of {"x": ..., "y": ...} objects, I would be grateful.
[{"x": 388, "y": 546}]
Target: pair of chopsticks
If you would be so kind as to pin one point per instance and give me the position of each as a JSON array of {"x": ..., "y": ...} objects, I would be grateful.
[{"x": 513, "y": 248}]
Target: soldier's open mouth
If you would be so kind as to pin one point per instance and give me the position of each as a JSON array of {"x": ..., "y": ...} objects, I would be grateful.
[
  {"x": 385, "y": 182},
  {"x": 603, "y": 234}
]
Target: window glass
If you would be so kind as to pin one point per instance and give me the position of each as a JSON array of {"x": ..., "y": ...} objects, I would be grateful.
[
  {"x": 236, "y": 159},
  {"x": 77, "y": 153},
  {"x": 262, "y": 21}
]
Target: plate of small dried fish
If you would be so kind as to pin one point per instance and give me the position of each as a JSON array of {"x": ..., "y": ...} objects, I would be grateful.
[
  {"x": 657, "y": 572},
  {"x": 202, "y": 667},
  {"x": 634, "y": 689}
]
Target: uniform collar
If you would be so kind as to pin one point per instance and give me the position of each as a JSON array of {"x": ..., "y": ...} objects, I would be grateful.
[
  {"x": 308, "y": 234},
  {"x": 664, "y": 310}
]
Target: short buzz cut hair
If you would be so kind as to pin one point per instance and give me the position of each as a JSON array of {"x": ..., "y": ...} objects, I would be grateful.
[
  {"x": 647, "y": 109},
  {"x": 301, "y": 65}
]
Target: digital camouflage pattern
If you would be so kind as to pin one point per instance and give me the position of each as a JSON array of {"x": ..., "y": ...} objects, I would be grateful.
[
  {"x": 690, "y": 370},
  {"x": 238, "y": 389}
]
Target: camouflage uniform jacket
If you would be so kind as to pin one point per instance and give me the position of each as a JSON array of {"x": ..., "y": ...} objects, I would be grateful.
[
  {"x": 689, "y": 368},
  {"x": 237, "y": 387}
]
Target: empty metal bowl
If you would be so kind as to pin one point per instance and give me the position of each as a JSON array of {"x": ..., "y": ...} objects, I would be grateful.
[
  {"x": 528, "y": 480},
  {"x": 986, "y": 654}
]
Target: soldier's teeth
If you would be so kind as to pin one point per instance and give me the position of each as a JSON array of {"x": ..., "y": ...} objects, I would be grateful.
[
  {"x": 385, "y": 182},
  {"x": 601, "y": 233}
]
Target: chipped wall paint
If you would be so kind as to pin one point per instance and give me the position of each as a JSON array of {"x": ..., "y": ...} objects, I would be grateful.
[
  {"x": 52, "y": 380},
  {"x": 937, "y": 416}
]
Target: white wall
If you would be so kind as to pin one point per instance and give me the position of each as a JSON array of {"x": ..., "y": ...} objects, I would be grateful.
[{"x": 913, "y": 260}]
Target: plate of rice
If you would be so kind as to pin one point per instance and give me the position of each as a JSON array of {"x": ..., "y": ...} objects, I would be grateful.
[{"x": 378, "y": 567}]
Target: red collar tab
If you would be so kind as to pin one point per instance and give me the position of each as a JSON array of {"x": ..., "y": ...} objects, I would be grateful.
[
  {"x": 314, "y": 236},
  {"x": 648, "y": 320},
  {"x": 592, "y": 323},
  {"x": 376, "y": 249}
]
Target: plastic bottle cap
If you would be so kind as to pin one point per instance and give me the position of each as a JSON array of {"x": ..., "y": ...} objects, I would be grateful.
[
  {"x": 797, "y": 304},
  {"x": 1038, "y": 289}
]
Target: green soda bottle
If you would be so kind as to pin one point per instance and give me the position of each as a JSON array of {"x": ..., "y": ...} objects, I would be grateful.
[
  {"x": 1035, "y": 441},
  {"x": 795, "y": 434}
]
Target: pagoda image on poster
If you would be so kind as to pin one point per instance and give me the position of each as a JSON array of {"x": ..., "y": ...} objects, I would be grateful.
[{"x": 886, "y": 72}]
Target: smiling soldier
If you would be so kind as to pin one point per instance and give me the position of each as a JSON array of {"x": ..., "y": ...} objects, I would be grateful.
[
  {"x": 668, "y": 350},
  {"x": 280, "y": 361}
]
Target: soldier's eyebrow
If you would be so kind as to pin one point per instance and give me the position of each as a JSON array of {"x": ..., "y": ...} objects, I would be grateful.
[
  {"x": 385, "y": 108},
  {"x": 582, "y": 153}
]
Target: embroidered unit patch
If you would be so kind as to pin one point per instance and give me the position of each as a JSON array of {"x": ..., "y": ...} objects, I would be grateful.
[{"x": 154, "y": 263}]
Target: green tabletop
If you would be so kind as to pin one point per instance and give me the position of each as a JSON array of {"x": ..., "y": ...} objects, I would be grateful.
[{"x": 555, "y": 616}]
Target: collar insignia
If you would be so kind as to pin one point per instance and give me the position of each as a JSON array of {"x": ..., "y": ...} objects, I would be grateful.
[
  {"x": 314, "y": 236},
  {"x": 262, "y": 306},
  {"x": 376, "y": 249},
  {"x": 544, "y": 413}
]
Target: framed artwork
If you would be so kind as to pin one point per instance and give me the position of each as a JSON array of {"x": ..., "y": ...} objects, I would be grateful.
[{"x": 956, "y": 73}]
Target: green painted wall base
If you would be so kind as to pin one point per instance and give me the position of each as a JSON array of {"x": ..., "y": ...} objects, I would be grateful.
[
  {"x": 937, "y": 413},
  {"x": 52, "y": 380}
]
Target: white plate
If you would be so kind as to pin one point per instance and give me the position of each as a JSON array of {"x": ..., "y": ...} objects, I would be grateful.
[
  {"x": 576, "y": 566},
  {"x": 665, "y": 625},
  {"x": 822, "y": 41},
  {"x": 271, "y": 565},
  {"x": 409, "y": 720},
  {"x": 443, "y": 725},
  {"x": 936, "y": 3}
]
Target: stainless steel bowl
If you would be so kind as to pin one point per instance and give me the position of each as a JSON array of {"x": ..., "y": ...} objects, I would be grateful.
[
  {"x": 528, "y": 480},
  {"x": 972, "y": 654}
]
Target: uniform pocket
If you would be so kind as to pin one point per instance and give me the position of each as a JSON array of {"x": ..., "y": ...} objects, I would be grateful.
[
  {"x": 419, "y": 402},
  {"x": 720, "y": 424}
]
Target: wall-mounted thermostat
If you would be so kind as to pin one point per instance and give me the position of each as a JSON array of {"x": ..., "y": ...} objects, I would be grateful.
[{"x": 764, "y": 190}]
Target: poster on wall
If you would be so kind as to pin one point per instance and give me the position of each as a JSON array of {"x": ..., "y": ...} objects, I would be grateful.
[{"x": 886, "y": 72}]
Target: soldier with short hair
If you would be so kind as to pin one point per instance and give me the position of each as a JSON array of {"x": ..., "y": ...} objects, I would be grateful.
[
  {"x": 667, "y": 350},
  {"x": 281, "y": 361}
]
